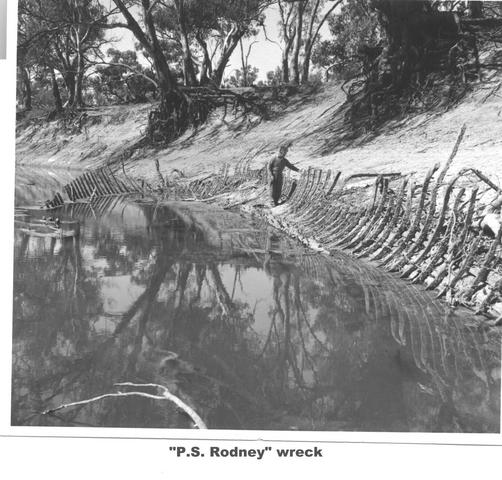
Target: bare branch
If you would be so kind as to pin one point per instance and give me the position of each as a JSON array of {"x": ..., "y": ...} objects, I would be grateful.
[
  {"x": 128, "y": 67},
  {"x": 166, "y": 395},
  {"x": 267, "y": 37}
]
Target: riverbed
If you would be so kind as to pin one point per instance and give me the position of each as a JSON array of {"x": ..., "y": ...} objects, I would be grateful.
[{"x": 244, "y": 325}]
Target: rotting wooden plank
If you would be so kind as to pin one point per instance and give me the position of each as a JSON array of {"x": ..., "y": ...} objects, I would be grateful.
[
  {"x": 89, "y": 183},
  {"x": 400, "y": 227},
  {"x": 121, "y": 187},
  {"x": 304, "y": 182},
  {"x": 316, "y": 175},
  {"x": 105, "y": 181},
  {"x": 365, "y": 231},
  {"x": 403, "y": 243},
  {"x": 68, "y": 192},
  {"x": 437, "y": 230},
  {"x": 397, "y": 211},
  {"x": 83, "y": 186},
  {"x": 100, "y": 187},
  {"x": 314, "y": 200},
  {"x": 78, "y": 189},
  {"x": 297, "y": 192},
  {"x": 107, "y": 173},
  {"x": 365, "y": 221},
  {"x": 294, "y": 206},
  {"x": 103, "y": 172},
  {"x": 415, "y": 244},
  {"x": 307, "y": 177},
  {"x": 374, "y": 234},
  {"x": 98, "y": 181},
  {"x": 335, "y": 181}
]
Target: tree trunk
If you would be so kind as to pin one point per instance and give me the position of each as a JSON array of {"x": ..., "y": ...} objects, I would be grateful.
[
  {"x": 413, "y": 37},
  {"x": 79, "y": 87},
  {"x": 166, "y": 81},
  {"x": 288, "y": 35},
  {"x": 27, "y": 96},
  {"x": 407, "y": 31},
  {"x": 205, "y": 71},
  {"x": 177, "y": 111},
  {"x": 298, "y": 43},
  {"x": 188, "y": 67},
  {"x": 150, "y": 42},
  {"x": 285, "y": 66},
  {"x": 306, "y": 62},
  {"x": 285, "y": 60},
  {"x": 56, "y": 93},
  {"x": 313, "y": 35},
  {"x": 69, "y": 80},
  {"x": 231, "y": 42},
  {"x": 309, "y": 41},
  {"x": 244, "y": 66},
  {"x": 217, "y": 76},
  {"x": 206, "y": 67}
]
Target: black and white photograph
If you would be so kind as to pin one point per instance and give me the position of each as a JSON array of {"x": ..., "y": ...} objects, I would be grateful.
[{"x": 257, "y": 216}]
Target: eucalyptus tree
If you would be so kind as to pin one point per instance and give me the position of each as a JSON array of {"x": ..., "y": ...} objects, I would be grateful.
[
  {"x": 287, "y": 23},
  {"x": 191, "y": 25},
  {"x": 300, "y": 25},
  {"x": 355, "y": 36},
  {"x": 232, "y": 21},
  {"x": 319, "y": 11},
  {"x": 61, "y": 36},
  {"x": 206, "y": 32},
  {"x": 122, "y": 77}
]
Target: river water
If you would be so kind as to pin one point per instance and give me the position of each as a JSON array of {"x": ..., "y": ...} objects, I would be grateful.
[{"x": 245, "y": 326}]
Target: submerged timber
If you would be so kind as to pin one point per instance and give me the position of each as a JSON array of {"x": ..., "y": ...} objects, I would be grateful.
[{"x": 424, "y": 231}]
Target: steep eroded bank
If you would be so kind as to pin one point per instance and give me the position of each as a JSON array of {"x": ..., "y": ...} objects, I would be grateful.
[{"x": 313, "y": 123}]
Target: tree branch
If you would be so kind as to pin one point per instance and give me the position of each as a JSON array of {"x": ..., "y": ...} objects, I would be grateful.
[
  {"x": 165, "y": 395},
  {"x": 328, "y": 13},
  {"x": 128, "y": 67}
]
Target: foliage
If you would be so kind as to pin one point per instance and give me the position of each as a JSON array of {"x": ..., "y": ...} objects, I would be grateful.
[
  {"x": 274, "y": 77},
  {"x": 355, "y": 34},
  {"x": 188, "y": 23},
  {"x": 243, "y": 79},
  {"x": 199, "y": 36},
  {"x": 60, "y": 37},
  {"x": 123, "y": 79},
  {"x": 300, "y": 25}
]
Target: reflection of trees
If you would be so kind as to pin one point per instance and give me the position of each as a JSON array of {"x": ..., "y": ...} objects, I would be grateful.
[
  {"x": 52, "y": 304},
  {"x": 338, "y": 351}
]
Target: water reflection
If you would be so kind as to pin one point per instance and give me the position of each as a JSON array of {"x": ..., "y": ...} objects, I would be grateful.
[{"x": 245, "y": 326}]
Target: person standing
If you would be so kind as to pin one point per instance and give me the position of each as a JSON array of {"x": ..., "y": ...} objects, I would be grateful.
[{"x": 275, "y": 168}]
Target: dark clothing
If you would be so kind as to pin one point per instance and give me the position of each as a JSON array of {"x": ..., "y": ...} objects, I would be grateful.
[
  {"x": 275, "y": 168},
  {"x": 278, "y": 164},
  {"x": 275, "y": 189}
]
